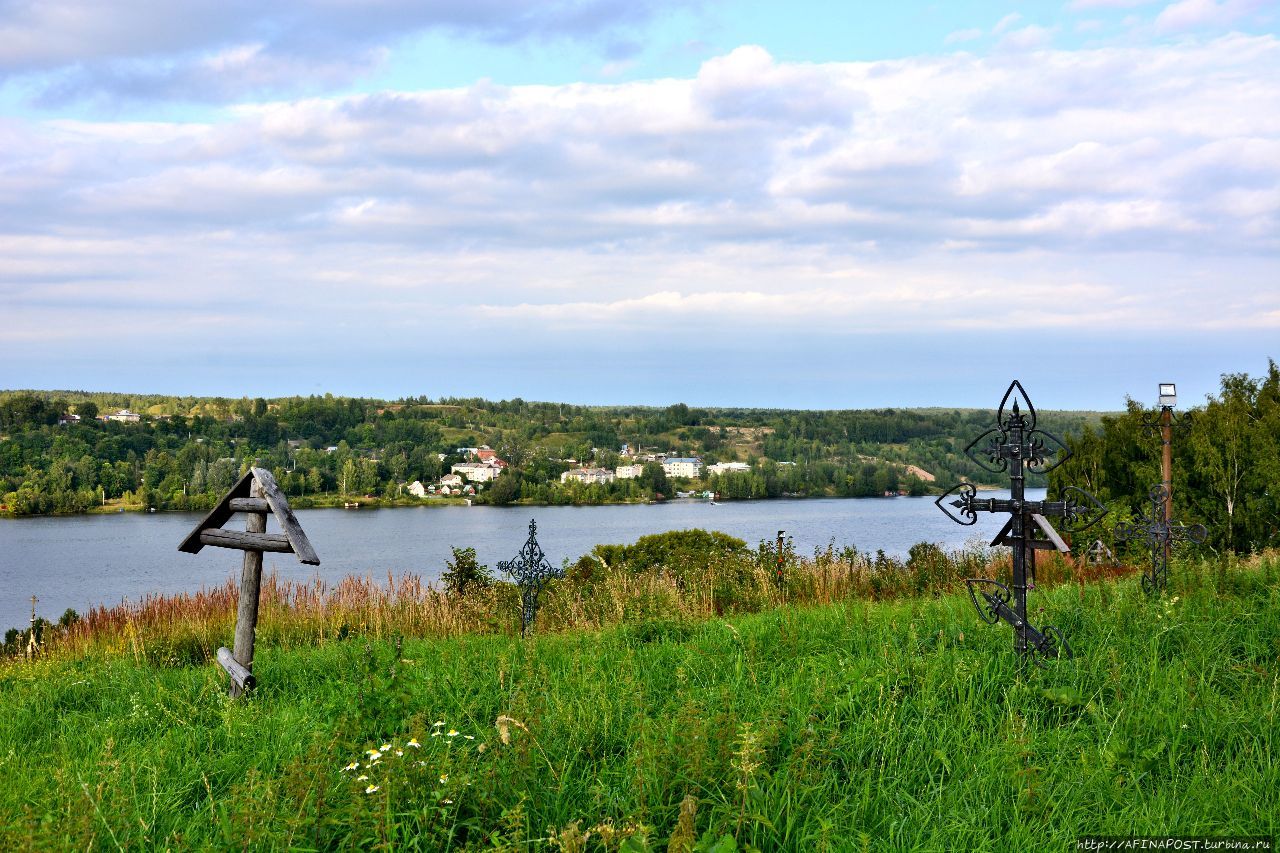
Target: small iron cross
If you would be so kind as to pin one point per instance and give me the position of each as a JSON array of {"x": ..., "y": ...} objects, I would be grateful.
[
  {"x": 531, "y": 571},
  {"x": 1159, "y": 536},
  {"x": 1015, "y": 445}
]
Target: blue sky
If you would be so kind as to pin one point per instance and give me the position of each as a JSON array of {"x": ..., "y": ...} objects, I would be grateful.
[{"x": 760, "y": 204}]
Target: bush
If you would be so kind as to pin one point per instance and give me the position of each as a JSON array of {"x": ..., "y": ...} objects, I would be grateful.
[
  {"x": 464, "y": 574},
  {"x": 678, "y": 551}
]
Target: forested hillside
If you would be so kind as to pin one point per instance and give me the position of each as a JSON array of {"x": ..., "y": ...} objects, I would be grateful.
[
  {"x": 184, "y": 451},
  {"x": 1226, "y": 462}
]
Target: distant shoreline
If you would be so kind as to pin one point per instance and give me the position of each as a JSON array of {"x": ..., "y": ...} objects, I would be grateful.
[{"x": 364, "y": 502}]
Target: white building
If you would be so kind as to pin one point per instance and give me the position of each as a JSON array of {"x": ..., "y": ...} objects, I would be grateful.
[
  {"x": 728, "y": 468},
  {"x": 417, "y": 489},
  {"x": 628, "y": 472},
  {"x": 126, "y": 416},
  {"x": 682, "y": 466},
  {"x": 588, "y": 475},
  {"x": 451, "y": 481},
  {"x": 477, "y": 472}
]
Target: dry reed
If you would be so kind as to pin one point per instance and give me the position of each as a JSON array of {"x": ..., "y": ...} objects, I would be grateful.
[{"x": 188, "y": 628}]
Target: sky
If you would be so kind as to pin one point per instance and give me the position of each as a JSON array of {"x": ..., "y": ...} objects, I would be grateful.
[{"x": 804, "y": 205}]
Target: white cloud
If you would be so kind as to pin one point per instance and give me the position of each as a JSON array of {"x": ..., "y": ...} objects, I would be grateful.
[
  {"x": 959, "y": 36},
  {"x": 1031, "y": 37},
  {"x": 1196, "y": 14},
  {"x": 1079, "y": 5},
  {"x": 1111, "y": 189},
  {"x": 1006, "y": 22},
  {"x": 220, "y": 50}
]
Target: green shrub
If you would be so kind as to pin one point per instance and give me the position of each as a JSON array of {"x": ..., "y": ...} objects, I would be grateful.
[{"x": 464, "y": 574}]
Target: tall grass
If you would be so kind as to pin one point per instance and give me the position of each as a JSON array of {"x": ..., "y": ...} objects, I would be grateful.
[
  {"x": 898, "y": 723},
  {"x": 188, "y": 628}
]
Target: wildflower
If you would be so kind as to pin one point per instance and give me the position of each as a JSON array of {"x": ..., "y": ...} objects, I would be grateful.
[
  {"x": 451, "y": 733},
  {"x": 447, "y": 802},
  {"x": 399, "y": 752},
  {"x": 469, "y": 737},
  {"x": 362, "y": 778},
  {"x": 373, "y": 754},
  {"x": 438, "y": 723},
  {"x": 435, "y": 734},
  {"x": 372, "y": 788},
  {"x": 413, "y": 742},
  {"x": 422, "y": 764},
  {"x": 385, "y": 747},
  {"x": 444, "y": 778},
  {"x": 355, "y": 765},
  {"x": 1184, "y": 725}
]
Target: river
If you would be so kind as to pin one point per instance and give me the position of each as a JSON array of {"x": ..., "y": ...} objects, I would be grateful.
[{"x": 81, "y": 561}]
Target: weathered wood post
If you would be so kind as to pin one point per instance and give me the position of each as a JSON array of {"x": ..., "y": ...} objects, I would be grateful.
[
  {"x": 255, "y": 495},
  {"x": 250, "y": 589}
]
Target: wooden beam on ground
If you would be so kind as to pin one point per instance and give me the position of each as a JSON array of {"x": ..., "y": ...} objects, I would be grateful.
[{"x": 242, "y": 677}]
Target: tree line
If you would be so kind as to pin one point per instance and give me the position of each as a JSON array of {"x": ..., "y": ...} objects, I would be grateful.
[
  {"x": 186, "y": 451},
  {"x": 1226, "y": 462}
]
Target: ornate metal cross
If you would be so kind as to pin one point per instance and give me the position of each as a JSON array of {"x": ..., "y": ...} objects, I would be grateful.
[
  {"x": 531, "y": 572},
  {"x": 1015, "y": 445},
  {"x": 1159, "y": 533}
]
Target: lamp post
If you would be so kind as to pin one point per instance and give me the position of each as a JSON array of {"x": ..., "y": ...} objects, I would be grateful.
[
  {"x": 1168, "y": 399},
  {"x": 1164, "y": 422}
]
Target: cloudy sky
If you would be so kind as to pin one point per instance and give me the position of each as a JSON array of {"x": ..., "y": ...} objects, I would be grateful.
[{"x": 810, "y": 203}]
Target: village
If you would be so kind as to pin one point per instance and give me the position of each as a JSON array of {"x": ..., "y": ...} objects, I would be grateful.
[{"x": 483, "y": 466}]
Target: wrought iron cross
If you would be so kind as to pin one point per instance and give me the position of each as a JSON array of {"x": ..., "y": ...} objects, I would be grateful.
[
  {"x": 531, "y": 572},
  {"x": 1015, "y": 445},
  {"x": 1160, "y": 534}
]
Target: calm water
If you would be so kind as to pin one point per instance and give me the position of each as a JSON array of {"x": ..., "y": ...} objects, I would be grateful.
[{"x": 100, "y": 559}]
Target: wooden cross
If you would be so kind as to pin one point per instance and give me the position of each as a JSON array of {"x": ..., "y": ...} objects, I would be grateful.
[
  {"x": 255, "y": 495},
  {"x": 32, "y": 647}
]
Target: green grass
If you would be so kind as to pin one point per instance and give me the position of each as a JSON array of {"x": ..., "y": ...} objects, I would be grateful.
[{"x": 891, "y": 725}]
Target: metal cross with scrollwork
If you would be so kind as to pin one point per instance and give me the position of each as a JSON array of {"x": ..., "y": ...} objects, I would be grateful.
[
  {"x": 1159, "y": 535},
  {"x": 1015, "y": 445},
  {"x": 531, "y": 571}
]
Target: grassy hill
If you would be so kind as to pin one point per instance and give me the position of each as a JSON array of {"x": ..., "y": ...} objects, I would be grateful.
[{"x": 855, "y": 724}]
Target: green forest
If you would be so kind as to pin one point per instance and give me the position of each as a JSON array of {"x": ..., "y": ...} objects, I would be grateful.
[
  {"x": 185, "y": 451},
  {"x": 1226, "y": 463}
]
